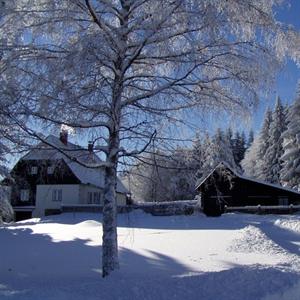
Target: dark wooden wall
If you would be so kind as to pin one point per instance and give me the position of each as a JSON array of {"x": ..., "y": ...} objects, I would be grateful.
[
  {"x": 23, "y": 179},
  {"x": 221, "y": 189}
]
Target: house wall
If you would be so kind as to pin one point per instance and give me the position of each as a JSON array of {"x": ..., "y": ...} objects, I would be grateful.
[
  {"x": 71, "y": 194},
  {"x": 85, "y": 189},
  {"x": 44, "y": 198},
  {"x": 24, "y": 179},
  {"x": 121, "y": 199},
  {"x": 84, "y": 193}
]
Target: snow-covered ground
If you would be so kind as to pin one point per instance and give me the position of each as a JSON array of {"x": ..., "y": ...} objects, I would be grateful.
[{"x": 235, "y": 256}]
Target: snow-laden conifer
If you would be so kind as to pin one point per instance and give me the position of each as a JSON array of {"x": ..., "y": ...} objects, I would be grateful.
[
  {"x": 218, "y": 150},
  {"x": 263, "y": 141},
  {"x": 249, "y": 163},
  {"x": 272, "y": 158},
  {"x": 290, "y": 174}
]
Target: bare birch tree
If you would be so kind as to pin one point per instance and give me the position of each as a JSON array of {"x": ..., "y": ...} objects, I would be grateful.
[{"x": 129, "y": 70}]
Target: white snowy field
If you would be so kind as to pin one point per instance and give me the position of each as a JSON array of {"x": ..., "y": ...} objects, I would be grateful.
[{"x": 235, "y": 256}]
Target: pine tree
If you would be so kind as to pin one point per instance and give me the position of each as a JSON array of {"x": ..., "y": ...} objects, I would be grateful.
[
  {"x": 290, "y": 175},
  {"x": 239, "y": 147},
  {"x": 250, "y": 139},
  {"x": 273, "y": 164},
  {"x": 229, "y": 136},
  {"x": 249, "y": 163},
  {"x": 218, "y": 150},
  {"x": 263, "y": 145}
]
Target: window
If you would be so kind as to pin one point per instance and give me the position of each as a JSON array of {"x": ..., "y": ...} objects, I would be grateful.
[
  {"x": 57, "y": 195},
  {"x": 50, "y": 170},
  {"x": 90, "y": 198},
  {"x": 24, "y": 195},
  {"x": 34, "y": 170},
  {"x": 96, "y": 198},
  {"x": 93, "y": 197},
  {"x": 283, "y": 201}
]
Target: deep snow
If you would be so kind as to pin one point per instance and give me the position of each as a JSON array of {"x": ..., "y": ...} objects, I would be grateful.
[{"x": 235, "y": 256}]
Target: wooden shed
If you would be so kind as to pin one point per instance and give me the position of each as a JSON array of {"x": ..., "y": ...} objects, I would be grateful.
[{"x": 224, "y": 186}]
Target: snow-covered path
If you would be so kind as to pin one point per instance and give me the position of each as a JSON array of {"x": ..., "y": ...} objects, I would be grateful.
[{"x": 179, "y": 257}]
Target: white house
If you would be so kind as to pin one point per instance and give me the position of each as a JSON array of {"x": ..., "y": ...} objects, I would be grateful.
[{"x": 58, "y": 173}]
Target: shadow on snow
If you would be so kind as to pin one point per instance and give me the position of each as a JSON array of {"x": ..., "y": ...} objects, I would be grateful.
[{"x": 33, "y": 266}]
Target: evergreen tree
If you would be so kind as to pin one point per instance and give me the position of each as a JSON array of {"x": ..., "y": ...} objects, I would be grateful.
[
  {"x": 219, "y": 150},
  {"x": 229, "y": 137},
  {"x": 263, "y": 145},
  {"x": 239, "y": 147},
  {"x": 250, "y": 139},
  {"x": 290, "y": 174},
  {"x": 197, "y": 153},
  {"x": 273, "y": 164},
  {"x": 250, "y": 162}
]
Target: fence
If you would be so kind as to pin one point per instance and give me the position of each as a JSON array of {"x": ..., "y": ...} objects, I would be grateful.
[
  {"x": 182, "y": 207},
  {"x": 259, "y": 209},
  {"x": 185, "y": 207},
  {"x": 92, "y": 208}
]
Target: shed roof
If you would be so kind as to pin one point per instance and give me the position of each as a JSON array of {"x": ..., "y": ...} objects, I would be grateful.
[{"x": 225, "y": 165}]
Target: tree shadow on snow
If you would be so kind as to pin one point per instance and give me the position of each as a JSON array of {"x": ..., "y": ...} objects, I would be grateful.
[
  {"x": 33, "y": 266},
  {"x": 197, "y": 221},
  {"x": 286, "y": 239},
  {"x": 32, "y": 263}
]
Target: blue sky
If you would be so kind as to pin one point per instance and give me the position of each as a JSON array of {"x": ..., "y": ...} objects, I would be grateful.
[
  {"x": 288, "y": 78},
  {"x": 286, "y": 83}
]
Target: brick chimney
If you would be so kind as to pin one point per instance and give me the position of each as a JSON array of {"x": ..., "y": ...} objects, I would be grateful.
[
  {"x": 63, "y": 136},
  {"x": 91, "y": 146}
]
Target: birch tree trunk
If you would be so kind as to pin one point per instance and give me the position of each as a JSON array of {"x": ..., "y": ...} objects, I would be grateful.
[{"x": 110, "y": 260}]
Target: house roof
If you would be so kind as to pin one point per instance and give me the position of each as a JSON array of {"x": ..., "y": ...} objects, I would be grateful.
[
  {"x": 223, "y": 164},
  {"x": 54, "y": 149},
  {"x": 94, "y": 176}
]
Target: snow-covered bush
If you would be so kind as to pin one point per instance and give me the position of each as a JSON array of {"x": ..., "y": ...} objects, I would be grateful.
[{"x": 6, "y": 211}]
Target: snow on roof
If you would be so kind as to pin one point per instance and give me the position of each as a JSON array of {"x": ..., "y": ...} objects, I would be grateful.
[
  {"x": 203, "y": 178},
  {"x": 86, "y": 175},
  {"x": 226, "y": 165},
  {"x": 94, "y": 176},
  {"x": 50, "y": 150}
]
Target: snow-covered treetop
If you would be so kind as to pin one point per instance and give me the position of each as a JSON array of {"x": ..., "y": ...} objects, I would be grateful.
[{"x": 165, "y": 56}]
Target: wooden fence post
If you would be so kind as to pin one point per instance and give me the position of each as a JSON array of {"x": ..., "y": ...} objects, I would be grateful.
[{"x": 259, "y": 209}]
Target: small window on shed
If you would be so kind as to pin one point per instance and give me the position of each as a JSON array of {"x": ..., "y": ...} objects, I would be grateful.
[
  {"x": 283, "y": 200},
  {"x": 34, "y": 170},
  {"x": 57, "y": 195}
]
